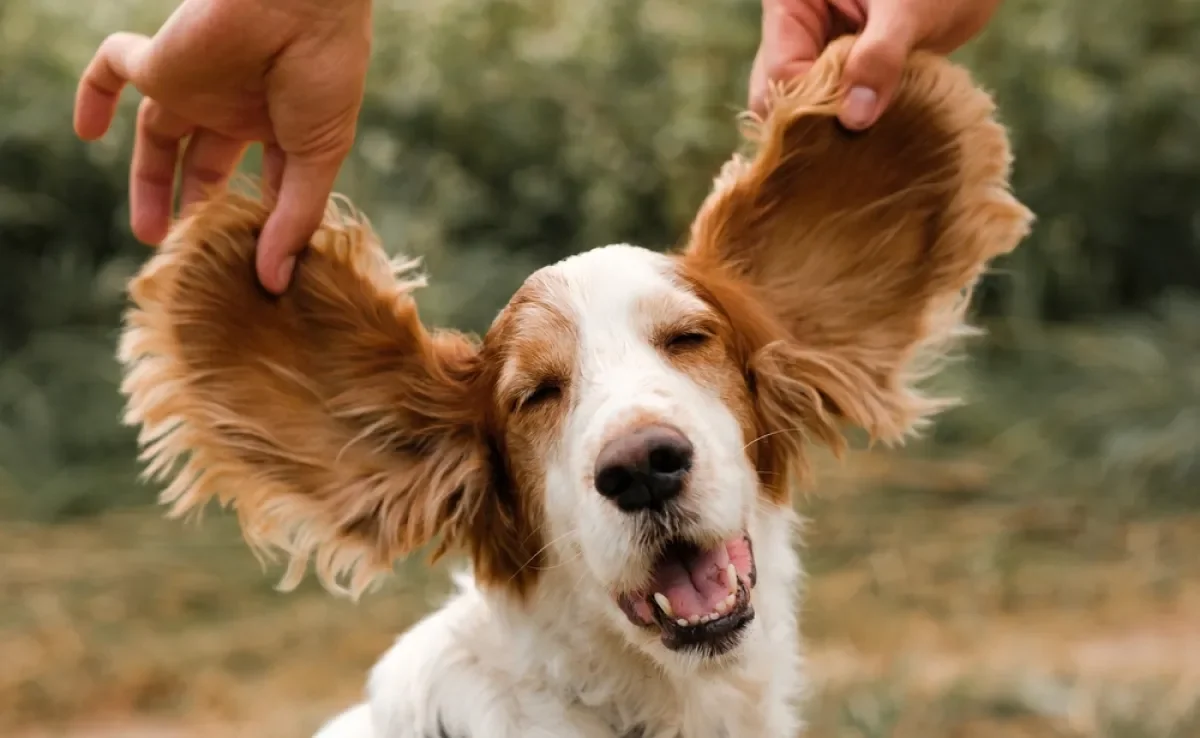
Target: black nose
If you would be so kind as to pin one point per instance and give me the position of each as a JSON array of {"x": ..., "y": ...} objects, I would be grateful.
[{"x": 645, "y": 468}]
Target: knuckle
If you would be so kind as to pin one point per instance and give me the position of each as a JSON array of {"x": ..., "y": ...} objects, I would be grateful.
[
  {"x": 207, "y": 174},
  {"x": 150, "y": 113},
  {"x": 777, "y": 70},
  {"x": 158, "y": 124},
  {"x": 885, "y": 53},
  {"x": 111, "y": 44},
  {"x": 879, "y": 59},
  {"x": 326, "y": 144},
  {"x": 204, "y": 175},
  {"x": 782, "y": 71}
]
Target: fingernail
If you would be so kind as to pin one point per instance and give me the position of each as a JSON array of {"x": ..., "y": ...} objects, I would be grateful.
[
  {"x": 859, "y": 108},
  {"x": 285, "y": 271}
]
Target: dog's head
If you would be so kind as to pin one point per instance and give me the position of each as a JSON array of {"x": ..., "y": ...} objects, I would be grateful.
[{"x": 631, "y": 417}]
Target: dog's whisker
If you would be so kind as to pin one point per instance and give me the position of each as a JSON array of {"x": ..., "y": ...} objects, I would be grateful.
[
  {"x": 540, "y": 551},
  {"x": 780, "y": 431},
  {"x": 564, "y": 562}
]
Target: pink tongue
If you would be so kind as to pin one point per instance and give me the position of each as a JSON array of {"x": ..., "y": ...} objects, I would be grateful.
[{"x": 695, "y": 587}]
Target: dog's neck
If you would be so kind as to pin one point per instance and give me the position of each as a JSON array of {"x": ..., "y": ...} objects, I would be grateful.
[{"x": 564, "y": 635}]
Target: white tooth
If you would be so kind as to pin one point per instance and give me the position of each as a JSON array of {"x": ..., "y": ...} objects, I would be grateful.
[
  {"x": 664, "y": 604},
  {"x": 694, "y": 620},
  {"x": 723, "y": 605},
  {"x": 733, "y": 577},
  {"x": 705, "y": 618},
  {"x": 729, "y": 601},
  {"x": 682, "y": 623}
]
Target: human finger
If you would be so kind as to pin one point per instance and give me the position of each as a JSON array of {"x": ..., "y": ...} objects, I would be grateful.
[
  {"x": 793, "y": 34},
  {"x": 208, "y": 162},
  {"x": 757, "y": 89},
  {"x": 99, "y": 90},
  {"x": 272, "y": 171},
  {"x": 152, "y": 174}
]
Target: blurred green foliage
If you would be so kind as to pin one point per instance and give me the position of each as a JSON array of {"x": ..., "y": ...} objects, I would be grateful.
[
  {"x": 1103, "y": 102},
  {"x": 500, "y": 135}
]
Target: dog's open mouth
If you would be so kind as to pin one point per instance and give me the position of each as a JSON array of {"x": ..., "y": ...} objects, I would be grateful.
[{"x": 698, "y": 598}]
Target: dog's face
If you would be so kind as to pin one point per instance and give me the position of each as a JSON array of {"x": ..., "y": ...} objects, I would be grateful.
[
  {"x": 631, "y": 416},
  {"x": 625, "y": 413}
]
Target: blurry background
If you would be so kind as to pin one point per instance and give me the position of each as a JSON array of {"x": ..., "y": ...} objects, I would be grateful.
[{"x": 1032, "y": 568}]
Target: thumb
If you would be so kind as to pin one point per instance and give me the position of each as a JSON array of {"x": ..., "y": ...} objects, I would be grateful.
[
  {"x": 303, "y": 188},
  {"x": 876, "y": 64}
]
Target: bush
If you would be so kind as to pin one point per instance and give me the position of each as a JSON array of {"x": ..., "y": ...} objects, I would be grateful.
[
  {"x": 516, "y": 132},
  {"x": 1104, "y": 106},
  {"x": 67, "y": 256}
]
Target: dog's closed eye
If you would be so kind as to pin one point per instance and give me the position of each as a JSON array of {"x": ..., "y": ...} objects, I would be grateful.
[
  {"x": 547, "y": 391},
  {"x": 685, "y": 340},
  {"x": 687, "y": 334}
]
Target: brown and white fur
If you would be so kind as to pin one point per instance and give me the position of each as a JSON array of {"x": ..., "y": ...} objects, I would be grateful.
[{"x": 819, "y": 279}]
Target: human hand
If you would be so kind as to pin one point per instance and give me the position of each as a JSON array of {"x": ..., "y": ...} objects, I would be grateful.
[
  {"x": 224, "y": 74},
  {"x": 795, "y": 32}
]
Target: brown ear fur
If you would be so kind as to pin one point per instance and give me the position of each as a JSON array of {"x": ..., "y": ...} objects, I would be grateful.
[
  {"x": 334, "y": 423},
  {"x": 864, "y": 247}
]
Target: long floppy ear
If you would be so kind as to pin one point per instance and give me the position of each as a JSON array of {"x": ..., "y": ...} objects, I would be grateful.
[
  {"x": 863, "y": 248},
  {"x": 334, "y": 423}
]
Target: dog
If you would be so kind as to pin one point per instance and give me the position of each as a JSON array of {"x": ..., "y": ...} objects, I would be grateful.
[{"x": 618, "y": 454}]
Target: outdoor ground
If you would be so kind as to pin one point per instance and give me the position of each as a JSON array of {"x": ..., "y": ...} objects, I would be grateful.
[{"x": 936, "y": 609}]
